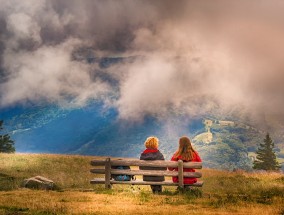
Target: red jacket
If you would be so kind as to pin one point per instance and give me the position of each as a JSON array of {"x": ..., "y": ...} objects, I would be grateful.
[{"x": 186, "y": 180}]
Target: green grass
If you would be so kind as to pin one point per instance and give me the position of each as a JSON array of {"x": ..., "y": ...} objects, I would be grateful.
[
  {"x": 223, "y": 192},
  {"x": 69, "y": 172}
]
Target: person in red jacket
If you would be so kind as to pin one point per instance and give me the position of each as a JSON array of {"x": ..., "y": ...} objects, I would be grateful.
[{"x": 186, "y": 153}]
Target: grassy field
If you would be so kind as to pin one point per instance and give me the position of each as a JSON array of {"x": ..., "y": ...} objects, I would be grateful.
[{"x": 223, "y": 192}]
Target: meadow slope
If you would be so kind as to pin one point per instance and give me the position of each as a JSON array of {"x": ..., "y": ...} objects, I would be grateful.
[{"x": 223, "y": 192}]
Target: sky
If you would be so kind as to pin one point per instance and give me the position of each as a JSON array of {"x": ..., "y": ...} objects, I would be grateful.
[{"x": 194, "y": 57}]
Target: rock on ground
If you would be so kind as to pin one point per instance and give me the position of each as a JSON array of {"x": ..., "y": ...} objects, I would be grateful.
[{"x": 39, "y": 182}]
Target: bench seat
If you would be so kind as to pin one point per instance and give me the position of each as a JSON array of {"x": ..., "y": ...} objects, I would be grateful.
[{"x": 141, "y": 182}]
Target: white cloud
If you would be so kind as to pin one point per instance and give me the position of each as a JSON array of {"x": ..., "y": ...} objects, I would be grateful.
[
  {"x": 191, "y": 56},
  {"x": 49, "y": 73}
]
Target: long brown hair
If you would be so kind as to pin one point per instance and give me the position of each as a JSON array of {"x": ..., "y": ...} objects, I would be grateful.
[{"x": 185, "y": 149}]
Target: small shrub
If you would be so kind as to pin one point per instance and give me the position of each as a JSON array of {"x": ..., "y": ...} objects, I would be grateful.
[
  {"x": 273, "y": 192},
  {"x": 246, "y": 197},
  {"x": 13, "y": 210},
  {"x": 231, "y": 199},
  {"x": 168, "y": 192},
  {"x": 221, "y": 201},
  {"x": 264, "y": 200},
  {"x": 44, "y": 213},
  {"x": 145, "y": 196},
  {"x": 174, "y": 201},
  {"x": 7, "y": 182},
  {"x": 191, "y": 193},
  {"x": 281, "y": 179},
  {"x": 217, "y": 202},
  {"x": 266, "y": 196}
]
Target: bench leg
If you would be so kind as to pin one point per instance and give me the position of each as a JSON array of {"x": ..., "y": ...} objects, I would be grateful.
[
  {"x": 156, "y": 188},
  {"x": 180, "y": 174},
  {"x": 107, "y": 174}
]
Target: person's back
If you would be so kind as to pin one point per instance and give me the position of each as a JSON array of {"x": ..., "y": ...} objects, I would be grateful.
[
  {"x": 185, "y": 153},
  {"x": 152, "y": 153}
]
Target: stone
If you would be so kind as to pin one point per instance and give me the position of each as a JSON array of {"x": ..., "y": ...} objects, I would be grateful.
[{"x": 39, "y": 182}]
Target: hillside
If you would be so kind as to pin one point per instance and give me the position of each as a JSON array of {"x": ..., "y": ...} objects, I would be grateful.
[
  {"x": 94, "y": 130},
  {"x": 223, "y": 192},
  {"x": 232, "y": 144}
]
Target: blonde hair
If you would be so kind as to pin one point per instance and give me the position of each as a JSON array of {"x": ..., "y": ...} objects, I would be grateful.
[
  {"x": 152, "y": 142},
  {"x": 185, "y": 149}
]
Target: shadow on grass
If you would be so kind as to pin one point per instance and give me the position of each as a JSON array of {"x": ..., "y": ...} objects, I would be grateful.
[
  {"x": 262, "y": 197},
  {"x": 188, "y": 192},
  {"x": 13, "y": 210},
  {"x": 7, "y": 182}
]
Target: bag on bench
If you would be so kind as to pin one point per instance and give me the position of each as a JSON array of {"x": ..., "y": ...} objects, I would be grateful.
[{"x": 122, "y": 177}]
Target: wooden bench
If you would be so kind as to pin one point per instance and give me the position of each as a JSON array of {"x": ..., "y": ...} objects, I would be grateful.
[{"x": 103, "y": 166}]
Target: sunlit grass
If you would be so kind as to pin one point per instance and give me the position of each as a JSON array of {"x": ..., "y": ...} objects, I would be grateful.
[
  {"x": 223, "y": 192},
  {"x": 66, "y": 170}
]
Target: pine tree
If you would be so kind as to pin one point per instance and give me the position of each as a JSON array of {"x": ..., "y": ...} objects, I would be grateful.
[
  {"x": 266, "y": 158},
  {"x": 6, "y": 144}
]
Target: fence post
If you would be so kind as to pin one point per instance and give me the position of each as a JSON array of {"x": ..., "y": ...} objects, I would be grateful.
[
  {"x": 180, "y": 173},
  {"x": 107, "y": 174}
]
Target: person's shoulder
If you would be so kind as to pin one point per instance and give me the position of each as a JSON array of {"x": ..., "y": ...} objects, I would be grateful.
[
  {"x": 159, "y": 152},
  {"x": 142, "y": 156},
  {"x": 174, "y": 158},
  {"x": 196, "y": 156}
]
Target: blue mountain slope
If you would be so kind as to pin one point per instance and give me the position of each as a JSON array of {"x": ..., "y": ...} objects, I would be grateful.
[
  {"x": 54, "y": 129},
  {"x": 90, "y": 130},
  {"x": 93, "y": 130}
]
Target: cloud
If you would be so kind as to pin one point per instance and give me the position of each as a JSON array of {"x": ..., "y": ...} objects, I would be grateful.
[
  {"x": 23, "y": 27},
  {"x": 38, "y": 66},
  {"x": 208, "y": 59},
  {"x": 48, "y": 73},
  {"x": 193, "y": 57}
]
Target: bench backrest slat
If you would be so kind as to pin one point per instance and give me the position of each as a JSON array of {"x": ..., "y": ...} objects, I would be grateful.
[
  {"x": 148, "y": 172},
  {"x": 136, "y": 162}
]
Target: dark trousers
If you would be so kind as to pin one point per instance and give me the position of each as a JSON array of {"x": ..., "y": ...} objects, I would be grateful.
[{"x": 156, "y": 188}]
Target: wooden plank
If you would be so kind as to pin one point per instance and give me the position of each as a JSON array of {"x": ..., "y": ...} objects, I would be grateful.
[
  {"x": 148, "y": 172},
  {"x": 107, "y": 174},
  {"x": 137, "y": 162},
  {"x": 140, "y": 182},
  {"x": 180, "y": 173},
  {"x": 97, "y": 163}
]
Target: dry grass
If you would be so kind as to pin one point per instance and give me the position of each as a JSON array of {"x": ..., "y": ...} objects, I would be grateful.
[
  {"x": 223, "y": 192},
  {"x": 68, "y": 171}
]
